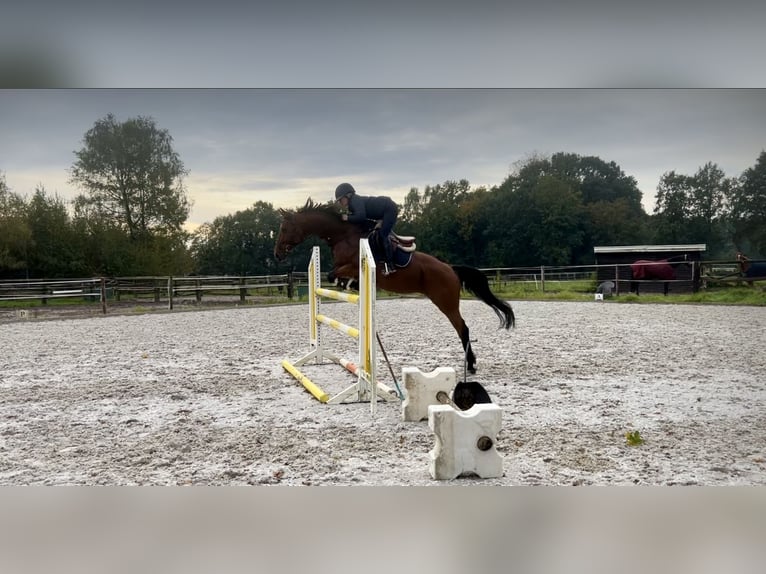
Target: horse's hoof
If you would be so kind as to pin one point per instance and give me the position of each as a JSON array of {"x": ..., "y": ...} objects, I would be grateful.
[
  {"x": 472, "y": 370},
  {"x": 469, "y": 393}
]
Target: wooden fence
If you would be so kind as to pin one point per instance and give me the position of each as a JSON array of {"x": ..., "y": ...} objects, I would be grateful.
[
  {"x": 46, "y": 290},
  {"x": 578, "y": 278},
  {"x": 143, "y": 289},
  {"x": 222, "y": 287}
]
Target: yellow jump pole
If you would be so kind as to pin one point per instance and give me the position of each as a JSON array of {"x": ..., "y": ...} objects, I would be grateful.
[
  {"x": 322, "y": 396},
  {"x": 338, "y": 326},
  {"x": 339, "y": 296}
]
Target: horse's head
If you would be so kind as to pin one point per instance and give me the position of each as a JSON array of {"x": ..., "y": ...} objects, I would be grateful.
[
  {"x": 322, "y": 220},
  {"x": 290, "y": 235},
  {"x": 743, "y": 260}
]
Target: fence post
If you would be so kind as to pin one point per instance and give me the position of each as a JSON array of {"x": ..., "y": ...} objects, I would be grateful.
[
  {"x": 542, "y": 278},
  {"x": 103, "y": 296},
  {"x": 617, "y": 280},
  {"x": 242, "y": 290},
  {"x": 290, "y": 286},
  {"x": 695, "y": 277},
  {"x": 170, "y": 292}
]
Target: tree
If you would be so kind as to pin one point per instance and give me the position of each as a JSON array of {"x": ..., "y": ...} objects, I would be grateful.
[
  {"x": 238, "y": 244},
  {"x": 105, "y": 246},
  {"x": 691, "y": 209},
  {"x": 436, "y": 218},
  {"x": 133, "y": 176},
  {"x": 472, "y": 220},
  {"x": 410, "y": 212},
  {"x": 615, "y": 223},
  {"x": 597, "y": 180},
  {"x": 53, "y": 250},
  {"x": 569, "y": 203},
  {"x": 534, "y": 219},
  {"x": 604, "y": 191},
  {"x": 710, "y": 188},
  {"x": 747, "y": 211},
  {"x": 671, "y": 209},
  {"x": 15, "y": 235}
]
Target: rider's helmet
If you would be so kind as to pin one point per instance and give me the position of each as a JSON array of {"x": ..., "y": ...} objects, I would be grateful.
[{"x": 343, "y": 190}]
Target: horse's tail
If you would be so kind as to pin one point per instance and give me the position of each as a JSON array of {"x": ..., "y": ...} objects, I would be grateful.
[{"x": 476, "y": 282}]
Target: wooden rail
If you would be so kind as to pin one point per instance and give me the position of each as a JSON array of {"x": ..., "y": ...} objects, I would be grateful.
[
  {"x": 53, "y": 289},
  {"x": 165, "y": 288},
  {"x": 158, "y": 289},
  {"x": 170, "y": 287}
]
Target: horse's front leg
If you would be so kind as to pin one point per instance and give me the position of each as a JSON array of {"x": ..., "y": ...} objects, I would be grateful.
[{"x": 348, "y": 271}]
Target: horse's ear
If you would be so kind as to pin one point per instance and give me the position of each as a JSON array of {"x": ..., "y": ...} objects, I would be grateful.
[{"x": 282, "y": 212}]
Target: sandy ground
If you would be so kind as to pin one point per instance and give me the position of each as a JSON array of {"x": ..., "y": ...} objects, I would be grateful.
[{"x": 199, "y": 397}]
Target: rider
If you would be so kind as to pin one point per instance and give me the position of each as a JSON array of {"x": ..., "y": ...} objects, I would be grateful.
[{"x": 361, "y": 208}]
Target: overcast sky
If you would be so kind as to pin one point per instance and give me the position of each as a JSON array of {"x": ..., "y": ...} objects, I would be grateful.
[{"x": 282, "y": 146}]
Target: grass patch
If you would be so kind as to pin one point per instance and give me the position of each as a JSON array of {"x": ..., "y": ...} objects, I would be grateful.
[
  {"x": 734, "y": 295},
  {"x": 554, "y": 291},
  {"x": 634, "y": 438},
  {"x": 51, "y": 303}
]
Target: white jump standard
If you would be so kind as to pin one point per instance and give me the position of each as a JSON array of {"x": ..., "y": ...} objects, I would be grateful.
[
  {"x": 465, "y": 441},
  {"x": 422, "y": 390},
  {"x": 366, "y": 387}
]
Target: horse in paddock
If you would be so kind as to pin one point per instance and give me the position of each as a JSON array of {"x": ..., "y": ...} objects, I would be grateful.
[
  {"x": 750, "y": 271},
  {"x": 416, "y": 272},
  {"x": 661, "y": 270}
]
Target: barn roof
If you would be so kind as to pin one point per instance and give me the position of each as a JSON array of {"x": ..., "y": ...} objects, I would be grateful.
[{"x": 650, "y": 248}]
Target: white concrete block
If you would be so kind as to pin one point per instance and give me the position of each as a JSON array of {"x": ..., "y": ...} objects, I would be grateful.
[
  {"x": 421, "y": 390},
  {"x": 465, "y": 441}
]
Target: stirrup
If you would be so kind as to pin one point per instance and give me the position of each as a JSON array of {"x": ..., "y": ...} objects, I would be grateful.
[{"x": 388, "y": 270}]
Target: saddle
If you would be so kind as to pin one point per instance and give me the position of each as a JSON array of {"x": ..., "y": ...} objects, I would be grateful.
[
  {"x": 403, "y": 247},
  {"x": 405, "y": 243}
]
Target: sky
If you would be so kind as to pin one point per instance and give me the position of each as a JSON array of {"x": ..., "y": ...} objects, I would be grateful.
[
  {"x": 282, "y": 101},
  {"x": 285, "y": 145},
  {"x": 397, "y": 43}
]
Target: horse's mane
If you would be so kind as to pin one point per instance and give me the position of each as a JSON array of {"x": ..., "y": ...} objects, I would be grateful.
[
  {"x": 330, "y": 210},
  {"x": 312, "y": 206}
]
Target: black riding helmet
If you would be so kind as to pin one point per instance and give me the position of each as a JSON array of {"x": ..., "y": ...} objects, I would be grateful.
[{"x": 344, "y": 189}]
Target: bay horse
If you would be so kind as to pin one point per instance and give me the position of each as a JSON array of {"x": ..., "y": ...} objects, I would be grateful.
[
  {"x": 661, "y": 270},
  {"x": 425, "y": 274}
]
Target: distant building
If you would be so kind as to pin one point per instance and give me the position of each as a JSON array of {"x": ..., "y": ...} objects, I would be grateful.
[{"x": 618, "y": 258}]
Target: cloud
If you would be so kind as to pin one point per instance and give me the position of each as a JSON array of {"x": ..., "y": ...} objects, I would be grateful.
[{"x": 283, "y": 146}]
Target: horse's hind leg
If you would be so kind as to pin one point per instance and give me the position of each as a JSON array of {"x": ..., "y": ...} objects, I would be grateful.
[
  {"x": 462, "y": 330},
  {"x": 444, "y": 292},
  {"x": 470, "y": 358}
]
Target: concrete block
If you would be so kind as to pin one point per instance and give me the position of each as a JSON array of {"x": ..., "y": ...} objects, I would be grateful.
[
  {"x": 465, "y": 441},
  {"x": 421, "y": 389}
]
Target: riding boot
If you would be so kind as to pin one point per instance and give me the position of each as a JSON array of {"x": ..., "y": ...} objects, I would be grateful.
[{"x": 389, "y": 266}]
